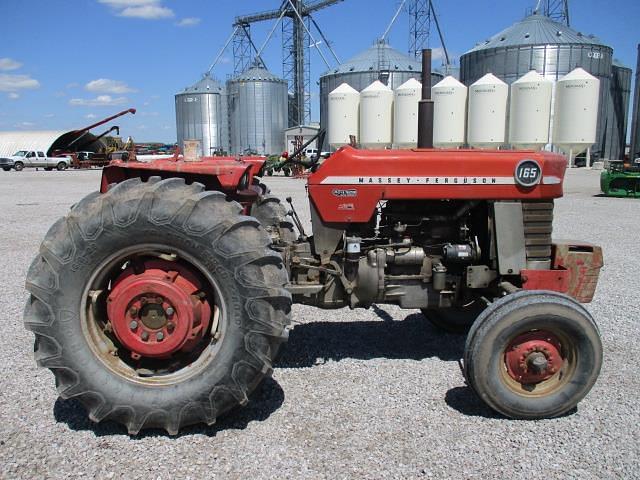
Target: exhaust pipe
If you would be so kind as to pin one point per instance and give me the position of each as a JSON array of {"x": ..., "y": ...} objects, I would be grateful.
[{"x": 425, "y": 107}]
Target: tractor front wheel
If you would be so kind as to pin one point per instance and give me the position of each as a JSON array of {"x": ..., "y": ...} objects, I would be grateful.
[
  {"x": 157, "y": 304},
  {"x": 533, "y": 354}
]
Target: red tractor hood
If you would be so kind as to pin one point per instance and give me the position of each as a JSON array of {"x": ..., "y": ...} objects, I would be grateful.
[{"x": 350, "y": 183}]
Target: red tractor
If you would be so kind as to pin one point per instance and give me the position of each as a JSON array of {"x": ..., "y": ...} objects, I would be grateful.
[{"x": 162, "y": 300}]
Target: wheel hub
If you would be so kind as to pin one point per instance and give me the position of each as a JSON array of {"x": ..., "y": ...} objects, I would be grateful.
[
  {"x": 153, "y": 315},
  {"x": 533, "y": 357},
  {"x": 158, "y": 312}
]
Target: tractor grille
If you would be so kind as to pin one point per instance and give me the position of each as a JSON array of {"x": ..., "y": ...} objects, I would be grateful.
[{"x": 538, "y": 220}]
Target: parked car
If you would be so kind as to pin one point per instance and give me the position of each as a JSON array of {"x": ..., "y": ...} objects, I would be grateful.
[
  {"x": 85, "y": 156},
  {"x": 312, "y": 152},
  {"x": 33, "y": 158},
  {"x": 6, "y": 163}
]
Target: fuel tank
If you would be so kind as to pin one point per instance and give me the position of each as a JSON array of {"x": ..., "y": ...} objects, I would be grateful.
[{"x": 351, "y": 182}]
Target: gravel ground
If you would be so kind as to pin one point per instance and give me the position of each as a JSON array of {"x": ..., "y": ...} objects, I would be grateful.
[{"x": 367, "y": 393}]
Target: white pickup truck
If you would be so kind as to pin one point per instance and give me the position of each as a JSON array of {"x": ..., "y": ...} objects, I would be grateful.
[{"x": 33, "y": 158}]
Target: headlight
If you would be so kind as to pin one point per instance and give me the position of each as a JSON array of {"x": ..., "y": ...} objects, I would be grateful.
[{"x": 244, "y": 182}]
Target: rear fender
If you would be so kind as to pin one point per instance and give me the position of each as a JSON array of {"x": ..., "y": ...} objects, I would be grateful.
[
  {"x": 232, "y": 177},
  {"x": 214, "y": 175}
]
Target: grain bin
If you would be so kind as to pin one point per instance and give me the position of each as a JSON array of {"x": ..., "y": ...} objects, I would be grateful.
[
  {"x": 486, "y": 116},
  {"x": 376, "y": 116},
  {"x": 405, "y": 114},
  {"x": 576, "y": 112},
  {"x": 634, "y": 150},
  {"x": 257, "y": 112},
  {"x": 344, "y": 111},
  {"x": 201, "y": 114},
  {"x": 618, "y": 111},
  {"x": 530, "y": 111},
  {"x": 449, "y": 113},
  {"x": 378, "y": 62},
  {"x": 552, "y": 49}
]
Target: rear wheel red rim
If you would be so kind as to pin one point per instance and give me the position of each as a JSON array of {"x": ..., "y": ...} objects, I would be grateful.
[
  {"x": 154, "y": 315},
  {"x": 158, "y": 310}
]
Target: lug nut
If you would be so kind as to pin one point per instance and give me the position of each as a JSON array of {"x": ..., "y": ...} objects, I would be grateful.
[
  {"x": 160, "y": 336},
  {"x": 170, "y": 310},
  {"x": 144, "y": 336},
  {"x": 133, "y": 325},
  {"x": 170, "y": 327},
  {"x": 143, "y": 300},
  {"x": 133, "y": 311}
]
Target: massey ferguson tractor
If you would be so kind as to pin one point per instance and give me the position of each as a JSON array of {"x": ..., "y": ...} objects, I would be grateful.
[{"x": 162, "y": 299}]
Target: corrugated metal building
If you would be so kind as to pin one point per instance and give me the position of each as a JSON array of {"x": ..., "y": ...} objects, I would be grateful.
[
  {"x": 303, "y": 132},
  {"x": 553, "y": 50},
  {"x": 46, "y": 141},
  {"x": 379, "y": 62}
]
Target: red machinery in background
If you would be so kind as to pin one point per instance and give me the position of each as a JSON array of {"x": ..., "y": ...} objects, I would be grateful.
[{"x": 82, "y": 139}]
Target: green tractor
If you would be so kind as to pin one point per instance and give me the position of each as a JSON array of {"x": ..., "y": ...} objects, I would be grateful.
[
  {"x": 274, "y": 164},
  {"x": 621, "y": 180}
]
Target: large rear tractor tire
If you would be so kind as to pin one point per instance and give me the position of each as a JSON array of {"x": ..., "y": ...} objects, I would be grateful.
[
  {"x": 273, "y": 216},
  {"x": 533, "y": 354},
  {"x": 157, "y": 304}
]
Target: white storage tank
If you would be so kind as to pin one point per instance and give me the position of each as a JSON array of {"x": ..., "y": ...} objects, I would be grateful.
[
  {"x": 449, "y": 113},
  {"x": 376, "y": 116},
  {"x": 530, "y": 111},
  {"x": 576, "y": 112},
  {"x": 405, "y": 114},
  {"x": 487, "y": 112},
  {"x": 344, "y": 105}
]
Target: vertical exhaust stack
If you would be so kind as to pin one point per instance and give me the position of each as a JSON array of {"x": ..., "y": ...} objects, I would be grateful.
[{"x": 425, "y": 107}]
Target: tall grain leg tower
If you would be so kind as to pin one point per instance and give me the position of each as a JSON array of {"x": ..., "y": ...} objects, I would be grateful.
[
  {"x": 296, "y": 65},
  {"x": 296, "y": 26}
]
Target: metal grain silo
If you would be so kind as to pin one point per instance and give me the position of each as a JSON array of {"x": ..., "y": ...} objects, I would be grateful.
[
  {"x": 449, "y": 113},
  {"x": 405, "y": 114},
  {"x": 575, "y": 118},
  {"x": 201, "y": 114},
  {"x": 634, "y": 150},
  {"x": 530, "y": 111},
  {"x": 553, "y": 50},
  {"x": 379, "y": 62},
  {"x": 257, "y": 112},
  {"x": 618, "y": 113},
  {"x": 344, "y": 112},
  {"x": 376, "y": 116},
  {"x": 487, "y": 112}
]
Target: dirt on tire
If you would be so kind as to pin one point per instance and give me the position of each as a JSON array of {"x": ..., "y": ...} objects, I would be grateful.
[{"x": 232, "y": 249}]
